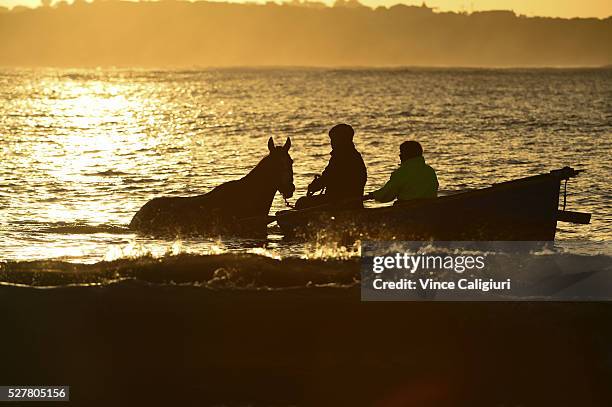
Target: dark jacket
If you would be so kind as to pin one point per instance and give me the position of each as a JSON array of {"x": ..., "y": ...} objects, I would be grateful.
[{"x": 344, "y": 177}]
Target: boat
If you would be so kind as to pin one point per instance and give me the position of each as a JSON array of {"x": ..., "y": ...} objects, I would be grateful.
[{"x": 525, "y": 209}]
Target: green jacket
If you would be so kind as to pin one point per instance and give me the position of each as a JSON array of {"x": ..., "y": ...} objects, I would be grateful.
[{"x": 413, "y": 179}]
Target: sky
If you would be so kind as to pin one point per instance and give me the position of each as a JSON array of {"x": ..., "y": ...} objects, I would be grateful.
[{"x": 548, "y": 8}]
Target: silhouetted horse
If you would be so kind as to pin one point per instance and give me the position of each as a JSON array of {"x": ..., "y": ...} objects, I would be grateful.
[{"x": 237, "y": 207}]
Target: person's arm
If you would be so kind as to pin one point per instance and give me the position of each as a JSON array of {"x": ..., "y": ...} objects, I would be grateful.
[
  {"x": 320, "y": 182},
  {"x": 315, "y": 186},
  {"x": 436, "y": 183},
  {"x": 328, "y": 172},
  {"x": 389, "y": 191}
]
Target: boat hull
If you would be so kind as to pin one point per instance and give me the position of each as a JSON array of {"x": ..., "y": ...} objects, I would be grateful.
[{"x": 519, "y": 210}]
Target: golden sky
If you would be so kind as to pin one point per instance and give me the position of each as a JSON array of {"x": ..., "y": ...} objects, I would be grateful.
[{"x": 553, "y": 8}]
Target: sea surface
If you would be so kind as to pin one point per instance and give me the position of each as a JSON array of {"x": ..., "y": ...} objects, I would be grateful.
[{"x": 82, "y": 150}]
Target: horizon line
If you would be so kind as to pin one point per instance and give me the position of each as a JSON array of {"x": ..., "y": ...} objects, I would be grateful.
[{"x": 311, "y": 67}]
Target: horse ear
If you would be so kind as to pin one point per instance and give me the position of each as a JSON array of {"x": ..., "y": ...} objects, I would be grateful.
[
  {"x": 287, "y": 145},
  {"x": 270, "y": 144}
]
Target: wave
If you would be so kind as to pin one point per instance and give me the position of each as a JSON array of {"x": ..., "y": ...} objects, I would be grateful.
[
  {"x": 108, "y": 173},
  {"x": 228, "y": 270},
  {"x": 258, "y": 271},
  {"x": 79, "y": 229}
]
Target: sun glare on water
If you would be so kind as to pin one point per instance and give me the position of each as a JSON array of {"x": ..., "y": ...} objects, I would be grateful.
[
  {"x": 90, "y": 147},
  {"x": 84, "y": 142}
]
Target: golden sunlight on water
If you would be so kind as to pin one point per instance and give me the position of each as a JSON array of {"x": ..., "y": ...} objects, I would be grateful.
[{"x": 83, "y": 150}]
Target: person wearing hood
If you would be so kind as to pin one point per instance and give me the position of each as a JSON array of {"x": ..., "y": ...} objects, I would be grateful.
[{"x": 344, "y": 178}]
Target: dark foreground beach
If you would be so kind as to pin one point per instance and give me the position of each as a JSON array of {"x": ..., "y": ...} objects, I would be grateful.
[{"x": 133, "y": 343}]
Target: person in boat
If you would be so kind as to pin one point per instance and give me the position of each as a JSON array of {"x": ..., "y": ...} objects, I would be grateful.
[
  {"x": 344, "y": 178},
  {"x": 414, "y": 179}
]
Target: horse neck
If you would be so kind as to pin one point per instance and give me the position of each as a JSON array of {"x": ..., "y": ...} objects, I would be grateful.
[{"x": 260, "y": 186}]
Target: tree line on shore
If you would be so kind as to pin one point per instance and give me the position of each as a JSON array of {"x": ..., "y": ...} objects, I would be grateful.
[{"x": 308, "y": 33}]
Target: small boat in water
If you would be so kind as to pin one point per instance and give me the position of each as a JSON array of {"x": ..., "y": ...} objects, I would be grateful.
[{"x": 525, "y": 209}]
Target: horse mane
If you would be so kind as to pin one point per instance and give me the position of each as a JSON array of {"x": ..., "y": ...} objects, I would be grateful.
[{"x": 260, "y": 168}]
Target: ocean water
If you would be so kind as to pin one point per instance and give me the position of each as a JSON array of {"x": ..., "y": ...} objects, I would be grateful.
[{"x": 83, "y": 150}]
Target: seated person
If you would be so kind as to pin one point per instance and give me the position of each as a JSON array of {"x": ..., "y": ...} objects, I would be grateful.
[
  {"x": 344, "y": 177},
  {"x": 412, "y": 180}
]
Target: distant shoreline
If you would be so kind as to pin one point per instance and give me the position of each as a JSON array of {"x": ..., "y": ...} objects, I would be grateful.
[
  {"x": 315, "y": 5},
  {"x": 312, "y": 68},
  {"x": 181, "y": 34}
]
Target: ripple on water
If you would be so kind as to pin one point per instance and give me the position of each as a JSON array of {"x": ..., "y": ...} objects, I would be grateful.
[{"x": 89, "y": 147}]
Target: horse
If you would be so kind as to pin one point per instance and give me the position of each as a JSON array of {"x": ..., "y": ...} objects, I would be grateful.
[{"x": 237, "y": 207}]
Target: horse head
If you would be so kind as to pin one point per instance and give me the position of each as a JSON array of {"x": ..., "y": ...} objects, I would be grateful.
[{"x": 281, "y": 166}]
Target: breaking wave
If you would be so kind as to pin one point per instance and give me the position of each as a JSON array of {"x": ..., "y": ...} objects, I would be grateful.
[
  {"x": 251, "y": 270},
  {"x": 228, "y": 270}
]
